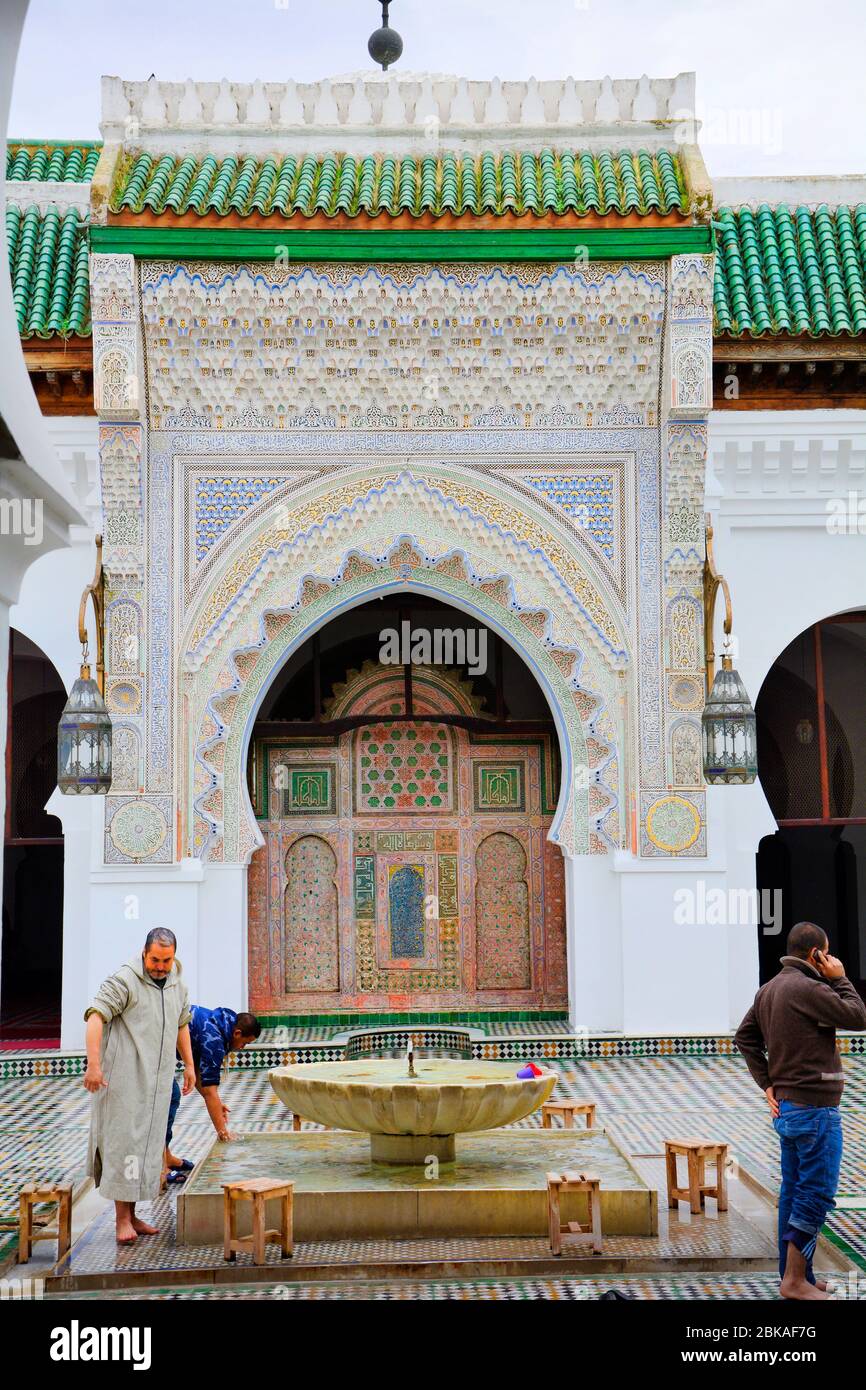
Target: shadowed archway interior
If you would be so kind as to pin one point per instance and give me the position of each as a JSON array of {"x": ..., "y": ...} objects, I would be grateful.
[{"x": 812, "y": 766}]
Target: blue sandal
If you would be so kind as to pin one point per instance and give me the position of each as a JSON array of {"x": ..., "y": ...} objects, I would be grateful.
[{"x": 176, "y": 1175}]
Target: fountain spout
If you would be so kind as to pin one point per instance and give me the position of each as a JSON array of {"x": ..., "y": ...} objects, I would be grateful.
[{"x": 410, "y": 1056}]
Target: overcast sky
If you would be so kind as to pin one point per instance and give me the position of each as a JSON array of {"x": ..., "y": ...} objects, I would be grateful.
[{"x": 780, "y": 82}]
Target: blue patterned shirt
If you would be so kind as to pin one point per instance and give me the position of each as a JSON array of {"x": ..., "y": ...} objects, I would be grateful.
[{"x": 210, "y": 1033}]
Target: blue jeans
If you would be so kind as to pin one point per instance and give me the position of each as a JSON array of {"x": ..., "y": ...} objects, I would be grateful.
[
  {"x": 811, "y": 1140},
  {"x": 172, "y": 1110}
]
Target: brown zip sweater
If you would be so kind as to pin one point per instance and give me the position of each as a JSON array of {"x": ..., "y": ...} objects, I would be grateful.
[{"x": 788, "y": 1037}]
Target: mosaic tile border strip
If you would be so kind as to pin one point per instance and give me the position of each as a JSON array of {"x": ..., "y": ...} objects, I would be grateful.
[
  {"x": 25, "y": 1066},
  {"x": 374, "y": 1020},
  {"x": 697, "y": 1286}
]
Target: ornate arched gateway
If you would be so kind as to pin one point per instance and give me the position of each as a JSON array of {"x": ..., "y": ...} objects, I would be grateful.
[
  {"x": 449, "y": 894},
  {"x": 292, "y": 578},
  {"x": 508, "y": 419}
]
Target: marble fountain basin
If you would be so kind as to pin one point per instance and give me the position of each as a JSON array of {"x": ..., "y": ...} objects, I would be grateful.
[{"x": 408, "y": 1118}]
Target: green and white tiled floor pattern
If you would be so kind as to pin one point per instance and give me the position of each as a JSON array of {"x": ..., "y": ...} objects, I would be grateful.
[
  {"x": 646, "y": 1286},
  {"x": 44, "y": 1122}
]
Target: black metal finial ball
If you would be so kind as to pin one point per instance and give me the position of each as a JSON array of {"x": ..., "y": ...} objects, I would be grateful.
[{"x": 384, "y": 45}]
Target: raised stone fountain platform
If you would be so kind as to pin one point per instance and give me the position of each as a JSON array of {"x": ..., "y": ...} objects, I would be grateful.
[{"x": 497, "y": 1187}]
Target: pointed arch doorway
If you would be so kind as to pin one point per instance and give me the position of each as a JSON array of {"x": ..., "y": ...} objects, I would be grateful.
[{"x": 405, "y": 810}]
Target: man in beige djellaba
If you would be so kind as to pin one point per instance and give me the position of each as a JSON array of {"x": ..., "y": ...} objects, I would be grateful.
[{"x": 137, "y": 1019}]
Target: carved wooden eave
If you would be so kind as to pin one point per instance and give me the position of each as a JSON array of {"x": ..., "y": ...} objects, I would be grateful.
[
  {"x": 789, "y": 373},
  {"x": 61, "y": 374}
]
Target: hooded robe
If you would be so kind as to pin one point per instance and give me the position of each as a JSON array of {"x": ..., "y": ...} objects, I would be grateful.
[{"x": 128, "y": 1117}]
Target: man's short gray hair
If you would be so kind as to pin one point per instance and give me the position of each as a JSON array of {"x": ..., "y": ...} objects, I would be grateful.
[{"x": 160, "y": 936}]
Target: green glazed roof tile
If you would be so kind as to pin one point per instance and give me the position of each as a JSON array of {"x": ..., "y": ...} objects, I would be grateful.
[
  {"x": 539, "y": 183},
  {"x": 779, "y": 270},
  {"x": 791, "y": 270},
  {"x": 62, "y": 163},
  {"x": 49, "y": 272}
]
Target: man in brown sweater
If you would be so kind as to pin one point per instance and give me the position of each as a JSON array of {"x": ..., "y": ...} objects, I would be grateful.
[{"x": 788, "y": 1039}]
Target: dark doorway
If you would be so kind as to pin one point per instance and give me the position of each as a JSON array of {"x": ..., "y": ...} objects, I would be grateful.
[
  {"x": 32, "y": 853},
  {"x": 812, "y": 766}
]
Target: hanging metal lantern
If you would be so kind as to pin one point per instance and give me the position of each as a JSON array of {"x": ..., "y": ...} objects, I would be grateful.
[
  {"x": 84, "y": 732},
  {"x": 729, "y": 728},
  {"x": 728, "y": 724},
  {"x": 84, "y": 741}
]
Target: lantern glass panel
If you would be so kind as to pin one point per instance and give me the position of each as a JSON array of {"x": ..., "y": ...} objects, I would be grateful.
[{"x": 84, "y": 742}]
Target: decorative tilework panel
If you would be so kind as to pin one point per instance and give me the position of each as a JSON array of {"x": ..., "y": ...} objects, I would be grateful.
[
  {"x": 309, "y": 790},
  {"x": 406, "y": 910},
  {"x": 219, "y": 502},
  {"x": 404, "y": 768},
  {"x": 499, "y": 786},
  {"x": 404, "y": 917},
  {"x": 365, "y": 886},
  {"x": 311, "y": 936},
  {"x": 502, "y": 914},
  {"x": 587, "y": 498}
]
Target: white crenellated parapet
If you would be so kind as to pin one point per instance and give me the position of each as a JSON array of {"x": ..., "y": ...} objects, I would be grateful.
[
  {"x": 365, "y": 104},
  {"x": 76, "y": 441},
  {"x": 759, "y": 461}
]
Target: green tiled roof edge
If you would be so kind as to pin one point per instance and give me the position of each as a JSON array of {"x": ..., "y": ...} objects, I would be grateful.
[
  {"x": 48, "y": 268},
  {"x": 549, "y": 181},
  {"x": 790, "y": 270},
  {"x": 68, "y": 163}
]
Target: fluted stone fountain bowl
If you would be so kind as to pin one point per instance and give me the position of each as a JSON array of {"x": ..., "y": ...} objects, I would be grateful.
[{"x": 411, "y": 1119}]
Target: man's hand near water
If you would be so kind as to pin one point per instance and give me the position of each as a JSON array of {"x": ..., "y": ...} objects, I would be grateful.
[{"x": 772, "y": 1102}]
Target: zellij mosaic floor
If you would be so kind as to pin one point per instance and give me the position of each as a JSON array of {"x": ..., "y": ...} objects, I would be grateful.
[{"x": 43, "y": 1136}]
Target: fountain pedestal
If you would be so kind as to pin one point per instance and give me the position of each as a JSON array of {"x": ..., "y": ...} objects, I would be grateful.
[{"x": 412, "y": 1148}]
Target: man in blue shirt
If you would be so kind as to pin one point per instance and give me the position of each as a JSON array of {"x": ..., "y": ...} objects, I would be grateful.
[{"x": 213, "y": 1034}]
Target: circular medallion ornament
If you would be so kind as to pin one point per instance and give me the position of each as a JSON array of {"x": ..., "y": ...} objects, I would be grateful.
[
  {"x": 138, "y": 829},
  {"x": 673, "y": 824},
  {"x": 124, "y": 697},
  {"x": 686, "y": 692}
]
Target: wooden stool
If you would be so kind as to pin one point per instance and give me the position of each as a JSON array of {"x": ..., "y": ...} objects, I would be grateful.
[
  {"x": 574, "y": 1182},
  {"x": 28, "y": 1196},
  {"x": 567, "y": 1109},
  {"x": 697, "y": 1152},
  {"x": 258, "y": 1191}
]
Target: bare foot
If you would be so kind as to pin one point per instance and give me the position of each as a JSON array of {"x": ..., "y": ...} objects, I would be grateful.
[
  {"x": 142, "y": 1227},
  {"x": 125, "y": 1232},
  {"x": 801, "y": 1290}
]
